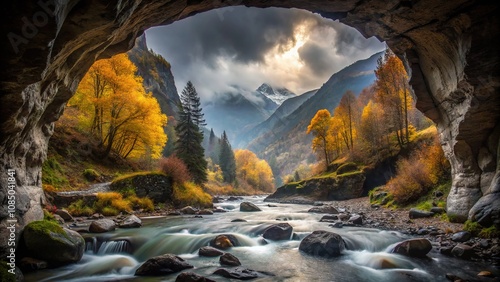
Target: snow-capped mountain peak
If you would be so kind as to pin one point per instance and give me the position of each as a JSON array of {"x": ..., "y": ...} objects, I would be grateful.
[{"x": 276, "y": 95}]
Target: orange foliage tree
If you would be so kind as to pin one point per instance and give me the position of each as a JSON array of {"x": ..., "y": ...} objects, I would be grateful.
[
  {"x": 346, "y": 116},
  {"x": 393, "y": 93},
  {"x": 116, "y": 109},
  {"x": 256, "y": 172},
  {"x": 323, "y": 142}
]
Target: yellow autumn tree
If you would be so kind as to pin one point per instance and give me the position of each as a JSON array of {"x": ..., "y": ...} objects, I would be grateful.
[
  {"x": 116, "y": 109},
  {"x": 256, "y": 172},
  {"x": 372, "y": 125},
  {"x": 346, "y": 115},
  {"x": 393, "y": 93},
  {"x": 324, "y": 141}
]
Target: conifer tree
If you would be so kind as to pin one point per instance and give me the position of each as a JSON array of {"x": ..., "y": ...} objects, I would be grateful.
[
  {"x": 190, "y": 136},
  {"x": 227, "y": 160}
]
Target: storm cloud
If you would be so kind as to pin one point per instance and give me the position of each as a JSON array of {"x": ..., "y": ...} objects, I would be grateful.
[{"x": 249, "y": 46}]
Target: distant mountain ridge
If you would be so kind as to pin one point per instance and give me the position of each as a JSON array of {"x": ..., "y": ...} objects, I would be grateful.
[
  {"x": 285, "y": 138},
  {"x": 278, "y": 95},
  {"x": 238, "y": 112}
]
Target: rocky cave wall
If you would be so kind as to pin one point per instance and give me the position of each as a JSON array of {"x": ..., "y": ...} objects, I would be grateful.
[{"x": 450, "y": 48}]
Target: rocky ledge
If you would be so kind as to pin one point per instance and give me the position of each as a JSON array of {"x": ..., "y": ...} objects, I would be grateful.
[{"x": 331, "y": 187}]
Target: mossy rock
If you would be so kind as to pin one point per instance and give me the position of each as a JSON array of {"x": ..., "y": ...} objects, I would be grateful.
[
  {"x": 6, "y": 276},
  {"x": 156, "y": 186},
  {"x": 347, "y": 167},
  {"x": 48, "y": 241},
  {"x": 91, "y": 174}
]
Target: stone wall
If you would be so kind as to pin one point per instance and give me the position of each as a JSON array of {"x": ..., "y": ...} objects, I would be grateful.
[{"x": 450, "y": 48}]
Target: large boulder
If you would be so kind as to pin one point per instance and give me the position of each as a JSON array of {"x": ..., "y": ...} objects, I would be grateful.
[
  {"x": 413, "y": 247},
  {"x": 191, "y": 277},
  {"x": 162, "y": 265},
  {"x": 50, "y": 242},
  {"x": 322, "y": 243},
  {"x": 102, "y": 225},
  {"x": 224, "y": 241},
  {"x": 280, "y": 231},
  {"x": 131, "y": 221},
  {"x": 208, "y": 251},
  {"x": 229, "y": 259},
  {"x": 249, "y": 207}
]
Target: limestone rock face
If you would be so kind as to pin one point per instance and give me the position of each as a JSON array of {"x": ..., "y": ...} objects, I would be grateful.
[{"x": 449, "y": 47}]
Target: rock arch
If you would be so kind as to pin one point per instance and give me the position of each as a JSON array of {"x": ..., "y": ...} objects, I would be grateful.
[{"x": 450, "y": 47}]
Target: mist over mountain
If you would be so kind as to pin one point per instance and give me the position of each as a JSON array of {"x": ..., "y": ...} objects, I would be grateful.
[{"x": 238, "y": 112}]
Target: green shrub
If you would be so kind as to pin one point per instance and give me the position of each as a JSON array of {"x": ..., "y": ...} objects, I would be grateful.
[
  {"x": 78, "y": 208},
  {"x": 191, "y": 194},
  {"x": 347, "y": 167}
]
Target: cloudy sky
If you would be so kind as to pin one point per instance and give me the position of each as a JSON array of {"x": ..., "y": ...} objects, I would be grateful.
[{"x": 239, "y": 47}]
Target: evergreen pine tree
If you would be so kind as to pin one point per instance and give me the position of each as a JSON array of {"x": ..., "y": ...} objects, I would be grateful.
[
  {"x": 296, "y": 176},
  {"x": 227, "y": 161},
  {"x": 190, "y": 136},
  {"x": 213, "y": 147}
]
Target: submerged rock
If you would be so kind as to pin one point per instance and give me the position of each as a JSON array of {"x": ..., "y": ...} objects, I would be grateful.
[
  {"x": 102, "y": 225},
  {"x": 208, "y": 251},
  {"x": 131, "y": 221},
  {"x": 413, "y": 247},
  {"x": 238, "y": 220},
  {"x": 224, "y": 241},
  {"x": 240, "y": 273},
  {"x": 322, "y": 243},
  {"x": 229, "y": 259},
  {"x": 280, "y": 231},
  {"x": 191, "y": 277},
  {"x": 162, "y": 265},
  {"x": 249, "y": 207},
  {"x": 48, "y": 241}
]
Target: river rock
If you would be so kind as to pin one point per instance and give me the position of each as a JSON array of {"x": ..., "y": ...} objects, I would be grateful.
[
  {"x": 188, "y": 210},
  {"x": 31, "y": 264},
  {"x": 59, "y": 219},
  {"x": 205, "y": 212},
  {"x": 208, "y": 251},
  {"x": 356, "y": 219},
  {"x": 280, "y": 231},
  {"x": 219, "y": 209},
  {"x": 462, "y": 251},
  {"x": 102, "y": 225},
  {"x": 229, "y": 259},
  {"x": 485, "y": 273},
  {"x": 131, "y": 221},
  {"x": 239, "y": 273},
  {"x": 162, "y": 265},
  {"x": 64, "y": 214},
  {"x": 48, "y": 241},
  {"x": 416, "y": 213},
  {"x": 322, "y": 243},
  {"x": 337, "y": 224},
  {"x": 413, "y": 247},
  {"x": 329, "y": 218},
  {"x": 233, "y": 198},
  {"x": 238, "y": 220},
  {"x": 191, "y": 277},
  {"x": 249, "y": 207},
  {"x": 461, "y": 236},
  {"x": 324, "y": 209},
  {"x": 224, "y": 241}
]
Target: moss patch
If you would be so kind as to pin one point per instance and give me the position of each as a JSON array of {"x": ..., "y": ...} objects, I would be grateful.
[{"x": 5, "y": 275}]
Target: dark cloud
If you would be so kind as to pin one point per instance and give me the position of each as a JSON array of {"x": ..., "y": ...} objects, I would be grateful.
[
  {"x": 232, "y": 46},
  {"x": 316, "y": 57}
]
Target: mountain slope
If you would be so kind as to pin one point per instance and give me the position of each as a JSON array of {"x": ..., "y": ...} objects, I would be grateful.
[
  {"x": 158, "y": 79},
  {"x": 287, "y": 140},
  {"x": 277, "y": 118}
]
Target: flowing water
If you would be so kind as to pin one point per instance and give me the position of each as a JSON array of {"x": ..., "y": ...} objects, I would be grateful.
[{"x": 115, "y": 256}]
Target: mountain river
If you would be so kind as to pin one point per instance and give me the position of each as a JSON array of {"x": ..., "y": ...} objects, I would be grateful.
[{"x": 114, "y": 256}]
